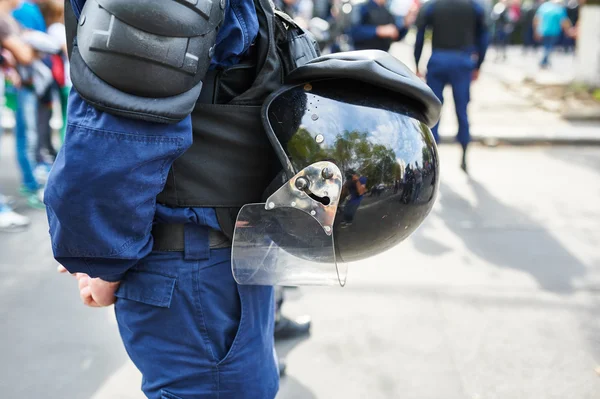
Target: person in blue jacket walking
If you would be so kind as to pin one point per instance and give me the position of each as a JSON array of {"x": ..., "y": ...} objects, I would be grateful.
[{"x": 459, "y": 44}]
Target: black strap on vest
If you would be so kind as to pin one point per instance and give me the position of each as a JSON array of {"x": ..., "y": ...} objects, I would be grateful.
[{"x": 231, "y": 161}]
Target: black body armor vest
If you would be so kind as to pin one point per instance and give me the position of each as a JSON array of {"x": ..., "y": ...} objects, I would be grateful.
[
  {"x": 231, "y": 161},
  {"x": 447, "y": 16}
]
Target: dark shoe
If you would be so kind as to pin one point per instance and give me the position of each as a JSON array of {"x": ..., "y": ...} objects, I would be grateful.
[
  {"x": 286, "y": 328},
  {"x": 282, "y": 367}
]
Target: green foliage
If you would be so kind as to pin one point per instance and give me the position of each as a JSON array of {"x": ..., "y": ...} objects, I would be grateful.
[{"x": 351, "y": 150}]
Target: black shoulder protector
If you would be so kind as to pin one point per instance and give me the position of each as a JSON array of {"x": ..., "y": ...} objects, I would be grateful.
[{"x": 145, "y": 59}]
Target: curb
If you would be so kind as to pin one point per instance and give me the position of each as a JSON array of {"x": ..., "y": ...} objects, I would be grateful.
[{"x": 526, "y": 141}]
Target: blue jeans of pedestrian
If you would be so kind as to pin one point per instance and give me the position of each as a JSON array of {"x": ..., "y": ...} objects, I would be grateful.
[
  {"x": 194, "y": 332},
  {"x": 549, "y": 42},
  {"x": 26, "y": 135},
  {"x": 350, "y": 209},
  {"x": 454, "y": 68}
]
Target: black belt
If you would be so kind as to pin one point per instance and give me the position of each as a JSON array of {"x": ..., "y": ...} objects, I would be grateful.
[{"x": 171, "y": 238}]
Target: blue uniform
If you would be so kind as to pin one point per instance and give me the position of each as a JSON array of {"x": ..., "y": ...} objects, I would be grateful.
[
  {"x": 460, "y": 40},
  {"x": 185, "y": 323},
  {"x": 372, "y": 15}
]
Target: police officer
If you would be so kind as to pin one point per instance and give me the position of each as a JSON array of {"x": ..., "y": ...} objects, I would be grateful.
[
  {"x": 139, "y": 213},
  {"x": 460, "y": 40},
  {"x": 164, "y": 142},
  {"x": 377, "y": 27}
]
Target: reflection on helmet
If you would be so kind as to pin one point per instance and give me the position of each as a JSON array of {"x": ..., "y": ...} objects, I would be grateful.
[{"x": 377, "y": 139}]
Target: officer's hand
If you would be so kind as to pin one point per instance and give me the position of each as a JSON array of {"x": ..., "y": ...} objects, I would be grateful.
[
  {"x": 475, "y": 75},
  {"x": 387, "y": 31},
  {"x": 95, "y": 292}
]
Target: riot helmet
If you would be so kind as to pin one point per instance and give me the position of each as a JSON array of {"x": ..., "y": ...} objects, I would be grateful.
[{"x": 360, "y": 170}]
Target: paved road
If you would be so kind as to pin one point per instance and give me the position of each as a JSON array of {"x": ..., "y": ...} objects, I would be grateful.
[{"x": 496, "y": 296}]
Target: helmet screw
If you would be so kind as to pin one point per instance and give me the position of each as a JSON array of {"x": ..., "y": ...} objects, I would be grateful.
[
  {"x": 327, "y": 173},
  {"x": 319, "y": 139},
  {"x": 301, "y": 183}
]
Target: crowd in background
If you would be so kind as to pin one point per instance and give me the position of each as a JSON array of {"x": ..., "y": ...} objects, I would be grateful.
[
  {"x": 35, "y": 70},
  {"x": 548, "y": 24},
  {"x": 524, "y": 22}
]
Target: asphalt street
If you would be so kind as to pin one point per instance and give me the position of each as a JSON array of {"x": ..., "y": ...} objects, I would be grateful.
[{"x": 497, "y": 295}]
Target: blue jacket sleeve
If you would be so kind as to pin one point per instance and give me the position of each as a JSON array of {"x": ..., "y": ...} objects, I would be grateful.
[
  {"x": 423, "y": 21},
  {"x": 402, "y": 29},
  {"x": 361, "y": 33},
  {"x": 419, "y": 42},
  {"x": 481, "y": 34},
  {"x": 101, "y": 192}
]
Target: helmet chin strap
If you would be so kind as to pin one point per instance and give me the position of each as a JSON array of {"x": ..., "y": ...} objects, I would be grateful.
[{"x": 315, "y": 190}]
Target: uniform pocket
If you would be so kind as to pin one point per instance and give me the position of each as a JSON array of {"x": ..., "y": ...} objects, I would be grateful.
[
  {"x": 219, "y": 303},
  {"x": 149, "y": 288}
]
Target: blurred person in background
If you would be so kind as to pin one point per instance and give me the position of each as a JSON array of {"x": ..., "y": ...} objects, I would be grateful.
[
  {"x": 527, "y": 15},
  {"x": 13, "y": 50},
  {"x": 377, "y": 27},
  {"x": 54, "y": 14},
  {"x": 9, "y": 219},
  {"x": 459, "y": 44},
  {"x": 30, "y": 16},
  {"x": 505, "y": 16},
  {"x": 25, "y": 138},
  {"x": 550, "y": 21},
  {"x": 568, "y": 40},
  {"x": 322, "y": 9}
]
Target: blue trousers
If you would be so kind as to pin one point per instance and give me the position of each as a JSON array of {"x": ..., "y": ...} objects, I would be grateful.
[
  {"x": 452, "y": 68},
  {"x": 26, "y": 135},
  {"x": 194, "y": 332},
  {"x": 549, "y": 42}
]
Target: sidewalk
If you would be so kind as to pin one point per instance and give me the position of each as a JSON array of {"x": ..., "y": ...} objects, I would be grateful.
[{"x": 500, "y": 115}]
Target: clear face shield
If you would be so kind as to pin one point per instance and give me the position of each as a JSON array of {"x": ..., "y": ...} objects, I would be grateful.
[{"x": 289, "y": 239}]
